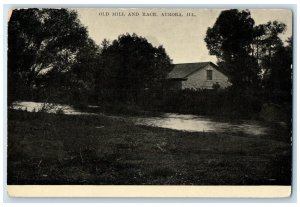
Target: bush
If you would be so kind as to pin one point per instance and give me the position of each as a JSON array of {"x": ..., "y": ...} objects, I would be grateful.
[{"x": 216, "y": 102}]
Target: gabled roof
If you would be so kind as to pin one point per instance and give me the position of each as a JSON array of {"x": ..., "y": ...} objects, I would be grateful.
[{"x": 183, "y": 70}]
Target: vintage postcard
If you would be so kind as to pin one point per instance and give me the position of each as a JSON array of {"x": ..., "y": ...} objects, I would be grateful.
[{"x": 149, "y": 102}]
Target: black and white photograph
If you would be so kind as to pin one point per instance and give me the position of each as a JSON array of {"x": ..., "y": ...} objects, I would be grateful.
[{"x": 149, "y": 96}]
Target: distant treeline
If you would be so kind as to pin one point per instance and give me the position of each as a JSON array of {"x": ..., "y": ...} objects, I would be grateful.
[{"x": 51, "y": 58}]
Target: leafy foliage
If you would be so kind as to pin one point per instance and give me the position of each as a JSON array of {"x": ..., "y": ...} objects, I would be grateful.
[
  {"x": 130, "y": 66},
  {"x": 253, "y": 56},
  {"x": 230, "y": 40},
  {"x": 279, "y": 80},
  {"x": 42, "y": 43},
  {"x": 231, "y": 34}
]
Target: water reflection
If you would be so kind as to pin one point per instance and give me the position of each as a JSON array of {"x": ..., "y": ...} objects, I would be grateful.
[
  {"x": 195, "y": 123},
  {"x": 47, "y": 107}
]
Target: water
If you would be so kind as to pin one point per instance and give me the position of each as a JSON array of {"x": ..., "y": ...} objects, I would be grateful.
[
  {"x": 47, "y": 107},
  {"x": 183, "y": 122},
  {"x": 194, "y": 123}
]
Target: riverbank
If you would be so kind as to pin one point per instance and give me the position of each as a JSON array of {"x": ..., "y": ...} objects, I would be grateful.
[{"x": 83, "y": 149}]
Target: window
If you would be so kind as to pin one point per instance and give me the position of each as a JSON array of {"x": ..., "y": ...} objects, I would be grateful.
[{"x": 209, "y": 75}]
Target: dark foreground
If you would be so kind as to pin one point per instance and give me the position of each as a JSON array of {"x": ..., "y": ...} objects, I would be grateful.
[{"x": 64, "y": 149}]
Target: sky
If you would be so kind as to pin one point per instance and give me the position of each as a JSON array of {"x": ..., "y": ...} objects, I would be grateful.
[{"x": 181, "y": 36}]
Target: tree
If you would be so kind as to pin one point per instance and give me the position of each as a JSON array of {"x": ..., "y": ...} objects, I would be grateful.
[
  {"x": 131, "y": 66},
  {"x": 230, "y": 41},
  {"x": 274, "y": 60},
  {"x": 279, "y": 81},
  {"x": 41, "y": 41},
  {"x": 266, "y": 43},
  {"x": 75, "y": 85},
  {"x": 255, "y": 59},
  {"x": 83, "y": 73}
]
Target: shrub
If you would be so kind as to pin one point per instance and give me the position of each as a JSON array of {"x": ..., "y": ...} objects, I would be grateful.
[{"x": 217, "y": 102}]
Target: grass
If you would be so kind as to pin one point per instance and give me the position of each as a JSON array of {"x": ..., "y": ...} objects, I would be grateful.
[{"x": 64, "y": 149}]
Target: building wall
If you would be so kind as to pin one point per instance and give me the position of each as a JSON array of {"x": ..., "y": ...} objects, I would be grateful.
[{"x": 198, "y": 79}]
